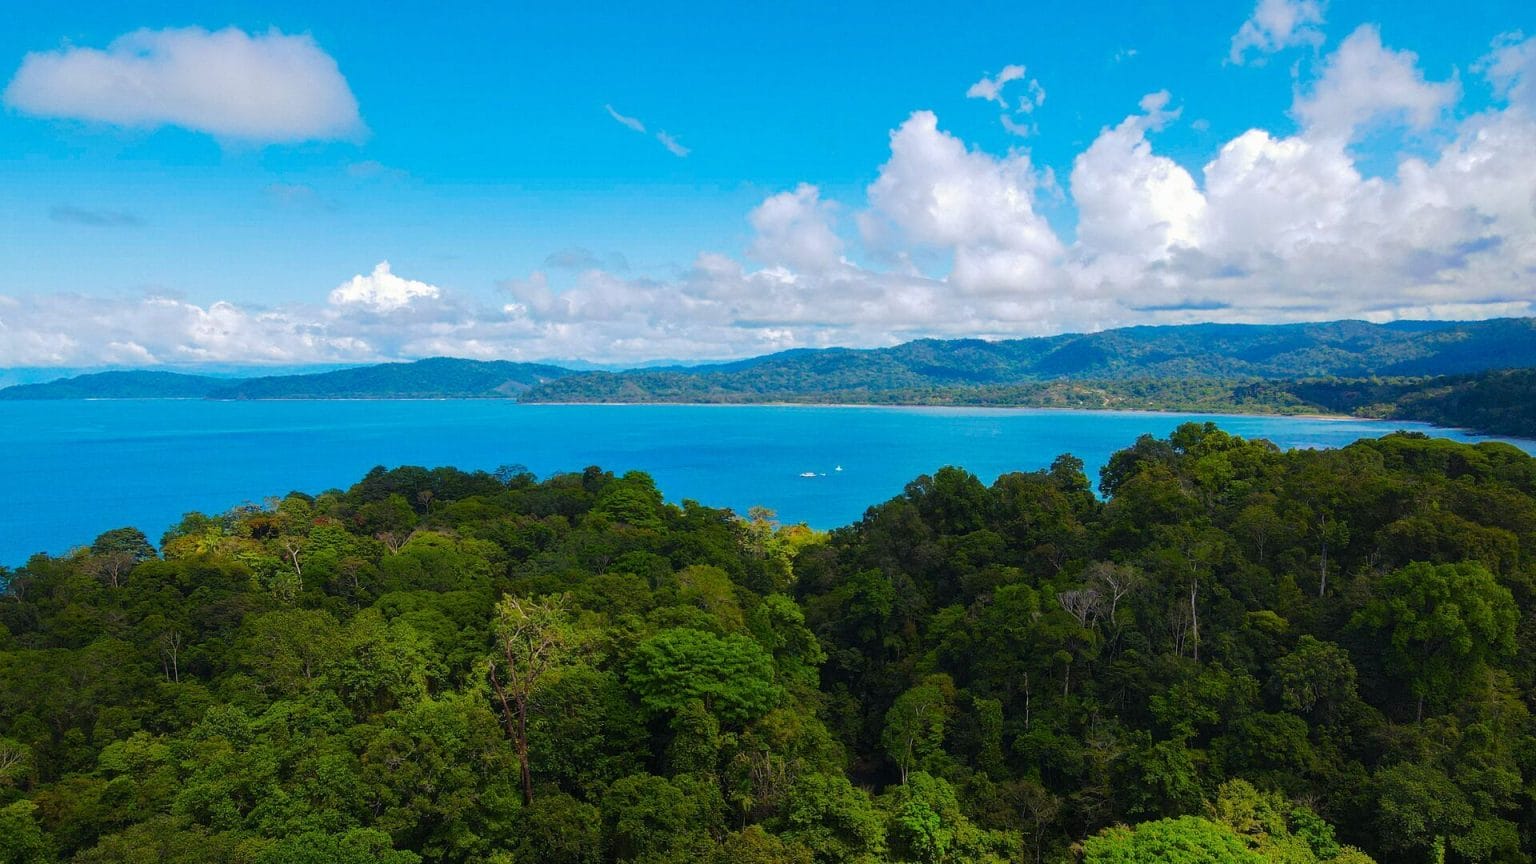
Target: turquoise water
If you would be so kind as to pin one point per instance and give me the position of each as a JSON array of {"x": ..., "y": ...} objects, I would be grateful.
[{"x": 71, "y": 470}]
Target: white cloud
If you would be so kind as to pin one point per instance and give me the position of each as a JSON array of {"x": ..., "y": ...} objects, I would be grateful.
[
  {"x": 672, "y": 145},
  {"x": 991, "y": 89},
  {"x": 268, "y": 87},
  {"x": 382, "y": 291},
  {"x": 1511, "y": 69},
  {"x": 1131, "y": 202},
  {"x": 637, "y": 125},
  {"x": 951, "y": 241},
  {"x": 630, "y": 122},
  {"x": 1276, "y": 25},
  {"x": 1364, "y": 82},
  {"x": 936, "y": 194},
  {"x": 794, "y": 229}
]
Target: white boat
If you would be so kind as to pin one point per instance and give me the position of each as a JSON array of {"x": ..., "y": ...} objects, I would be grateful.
[
  {"x": 807, "y": 473},
  {"x": 838, "y": 468}
]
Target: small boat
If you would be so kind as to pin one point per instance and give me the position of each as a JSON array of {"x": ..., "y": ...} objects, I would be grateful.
[
  {"x": 838, "y": 468},
  {"x": 807, "y": 473}
]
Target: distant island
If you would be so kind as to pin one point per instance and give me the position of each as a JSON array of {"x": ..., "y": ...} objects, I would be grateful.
[{"x": 1477, "y": 375}]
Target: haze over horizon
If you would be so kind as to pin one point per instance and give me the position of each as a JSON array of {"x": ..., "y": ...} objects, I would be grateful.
[{"x": 301, "y": 187}]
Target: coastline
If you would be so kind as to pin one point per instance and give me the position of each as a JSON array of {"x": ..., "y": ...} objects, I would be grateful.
[{"x": 1224, "y": 411}]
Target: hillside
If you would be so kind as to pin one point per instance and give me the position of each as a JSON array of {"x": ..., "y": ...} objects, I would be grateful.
[
  {"x": 133, "y": 384},
  {"x": 435, "y": 378},
  {"x": 1344, "y": 349}
]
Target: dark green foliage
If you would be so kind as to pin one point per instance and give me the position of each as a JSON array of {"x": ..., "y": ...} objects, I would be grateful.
[{"x": 1257, "y": 655}]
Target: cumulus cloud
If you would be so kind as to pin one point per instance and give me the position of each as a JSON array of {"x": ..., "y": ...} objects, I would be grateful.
[
  {"x": 267, "y": 87},
  {"x": 935, "y": 193},
  {"x": 794, "y": 230},
  {"x": 1276, "y": 25},
  {"x": 1363, "y": 82},
  {"x": 382, "y": 291},
  {"x": 950, "y": 241},
  {"x": 1511, "y": 69}
]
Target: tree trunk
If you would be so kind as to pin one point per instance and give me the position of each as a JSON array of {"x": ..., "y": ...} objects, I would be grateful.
[
  {"x": 522, "y": 750},
  {"x": 1322, "y": 533},
  {"x": 1194, "y": 618}
]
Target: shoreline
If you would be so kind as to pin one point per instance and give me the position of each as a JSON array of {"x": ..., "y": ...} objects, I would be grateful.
[
  {"x": 763, "y": 404},
  {"x": 891, "y": 406}
]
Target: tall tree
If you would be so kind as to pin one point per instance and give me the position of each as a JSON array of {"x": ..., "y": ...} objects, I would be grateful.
[{"x": 532, "y": 638}]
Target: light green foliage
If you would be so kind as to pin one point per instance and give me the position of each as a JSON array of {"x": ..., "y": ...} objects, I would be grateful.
[
  {"x": 732, "y": 675},
  {"x": 360, "y": 846},
  {"x": 287, "y": 650},
  {"x": 779, "y": 625},
  {"x": 21, "y": 840},
  {"x": 710, "y": 589},
  {"x": 653, "y": 819},
  {"x": 927, "y": 826},
  {"x": 382, "y": 665},
  {"x": 753, "y": 845},
  {"x": 1185, "y": 840},
  {"x": 914, "y": 726},
  {"x": 837, "y": 822}
]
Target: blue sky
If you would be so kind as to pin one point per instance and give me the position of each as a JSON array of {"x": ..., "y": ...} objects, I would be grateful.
[{"x": 192, "y": 183}]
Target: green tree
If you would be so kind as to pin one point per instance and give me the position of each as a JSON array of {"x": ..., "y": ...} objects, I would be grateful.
[
  {"x": 358, "y": 846},
  {"x": 914, "y": 725},
  {"x": 1441, "y": 621},
  {"x": 1185, "y": 840},
  {"x": 533, "y": 637},
  {"x": 731, "y": 675},
  {"x": 21, "y": 840}
]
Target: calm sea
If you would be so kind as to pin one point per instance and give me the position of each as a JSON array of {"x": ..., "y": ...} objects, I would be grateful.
[{"x": 71, "y": 470}]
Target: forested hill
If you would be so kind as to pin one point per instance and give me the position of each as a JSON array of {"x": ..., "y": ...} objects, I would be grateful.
[
  {"x": 434, "y": 378},
  {"x": 1345, "y": 349},
  {"x": 135, "y": 384},
  {"x": 1237, "y": 654}
]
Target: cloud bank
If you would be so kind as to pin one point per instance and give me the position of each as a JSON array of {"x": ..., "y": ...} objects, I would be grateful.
[
  {"x": 265, "y": 88},
  {"x": 949, "y": 240}
]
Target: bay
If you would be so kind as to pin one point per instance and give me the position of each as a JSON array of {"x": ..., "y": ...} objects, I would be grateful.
[{"x": 73, "y": 469}]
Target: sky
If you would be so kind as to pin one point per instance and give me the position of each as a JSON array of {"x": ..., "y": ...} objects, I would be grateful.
[{"x": 285, "y": 183}]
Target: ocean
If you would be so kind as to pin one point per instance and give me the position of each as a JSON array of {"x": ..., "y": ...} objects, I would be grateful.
[{"x": 72, "y": 469}]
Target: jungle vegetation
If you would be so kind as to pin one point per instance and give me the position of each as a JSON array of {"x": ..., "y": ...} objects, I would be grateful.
[{"x": 1222, "y": 653}]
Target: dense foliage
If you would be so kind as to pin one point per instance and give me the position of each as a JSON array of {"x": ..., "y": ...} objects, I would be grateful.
[{"x": 1233, "y": 654}]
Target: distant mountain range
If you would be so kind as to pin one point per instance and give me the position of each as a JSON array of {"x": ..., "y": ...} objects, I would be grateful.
[{"x": 1291, "y": 368}]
